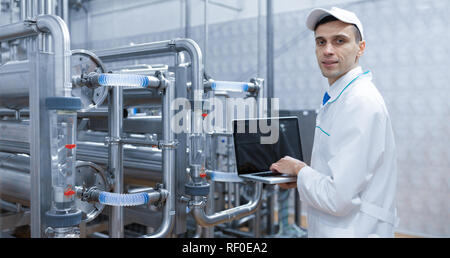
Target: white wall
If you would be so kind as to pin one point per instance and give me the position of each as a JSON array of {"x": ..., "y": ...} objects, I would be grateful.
[{"x": 110, "y": 19}]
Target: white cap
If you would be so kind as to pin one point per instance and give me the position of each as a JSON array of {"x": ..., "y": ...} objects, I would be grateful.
[{"x": 317, "y": 14}]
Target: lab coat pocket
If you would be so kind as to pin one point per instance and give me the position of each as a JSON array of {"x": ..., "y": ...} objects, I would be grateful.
[
  {"x": 322, "y": 143},
  {"x": 325, "y": 230}
]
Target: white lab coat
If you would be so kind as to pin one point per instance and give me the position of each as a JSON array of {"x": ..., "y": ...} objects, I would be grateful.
[{"x": 350, "y": 188}]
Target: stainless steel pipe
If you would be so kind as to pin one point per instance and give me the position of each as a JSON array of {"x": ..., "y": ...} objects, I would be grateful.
[
  {"x": 168, "y": 165},
  {"x": 164, "y": 48},
  {"x": 53, "y": 25},
  {"x": 15, "y": 77},
  {"x": 18, "y": 30},
  {"x": 228, "y": 215},
  {"x": 15, "y": 182},
  {"x": 61, "y": 44},
  {"x": 15, "y": 178},
  {"x": 115, "y": 162}
]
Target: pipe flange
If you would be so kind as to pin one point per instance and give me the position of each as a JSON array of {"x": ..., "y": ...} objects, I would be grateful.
[
  {"x": 196, "y": 190},
  {"x": 90, "y": 179},
  {"x": 83, "y": 63}
]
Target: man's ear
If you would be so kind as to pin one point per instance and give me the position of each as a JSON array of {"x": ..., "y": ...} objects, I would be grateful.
[{"x": 362, "y": 47}]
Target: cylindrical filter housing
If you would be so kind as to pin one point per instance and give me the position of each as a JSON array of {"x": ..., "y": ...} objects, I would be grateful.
[
  {"x": 63, "y": 126},
  {"x": 63, "y": 123}
]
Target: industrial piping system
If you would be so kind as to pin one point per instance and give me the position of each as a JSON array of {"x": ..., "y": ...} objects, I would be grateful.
[{"x": 58, "y": 99}]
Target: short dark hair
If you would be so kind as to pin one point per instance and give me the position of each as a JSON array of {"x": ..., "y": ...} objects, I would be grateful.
[{"x": 330, "y": 18}]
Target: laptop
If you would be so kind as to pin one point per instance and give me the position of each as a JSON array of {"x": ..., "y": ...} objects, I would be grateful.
[{"x": 253, "y": 159}]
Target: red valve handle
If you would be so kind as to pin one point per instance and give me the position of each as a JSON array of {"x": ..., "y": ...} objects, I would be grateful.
[{"x": 71, "y": 146}]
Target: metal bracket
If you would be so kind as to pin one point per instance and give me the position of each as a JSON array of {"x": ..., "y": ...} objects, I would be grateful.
[
  {"x": 168, "y": 145},
  {"x": 200, "y": 203},
  {"x": 160, "y": 202},
  {"x": 184, "y": 199},
  {"x": 112, "y": 140},
  {"x": 172, "y": 44},
  {"x": 30, "y": 22},
  {"x": 163, "y": 82}
]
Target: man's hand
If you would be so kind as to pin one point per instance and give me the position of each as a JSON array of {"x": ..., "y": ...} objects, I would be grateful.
[{"x": 288, "y": 165}]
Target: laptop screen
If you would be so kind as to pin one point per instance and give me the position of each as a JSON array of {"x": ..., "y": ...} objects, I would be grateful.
[{"x": 252, "y": 156}]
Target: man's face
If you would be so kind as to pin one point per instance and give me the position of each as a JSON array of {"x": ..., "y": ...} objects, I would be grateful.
[{"x": 336, "y": 49}]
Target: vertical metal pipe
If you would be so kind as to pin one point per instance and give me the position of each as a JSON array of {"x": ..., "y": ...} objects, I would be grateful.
[
  {"x": 40, "y": 140},
  {"x": 46, "y": 7},
  {"x": 13, "y": 49},
  {"x": 230, "y": 195},
  {"x": 270, "y": 55},
  {"x": 257, "y": 223},
  {"x": 168, "y": 165},
  {"x": 65, "y": 11},
  {"x": 205, "y": 48},
  {"x": 88, "y": 26},
  {"x": 259, "y": 40},
  {"x": 116, "y": 226},
  {"x": 28, "y": 8},
  {"x": 237, "y": 195},
  {"x": 40, "y": 8},
  {"x": 270, "y": 209},
  {"x": 39, "y": 119},
  {"x": 270, "y": 95},
  {"x": 298, "y": 209},
  {"x": 198, "y": 232},
  {"x": 211, "y": 204},
  {"x": 23, "y": 10},
  {"x": 230, "y": 169},
  {"x": 209, "y": 231},
  {"x": 49, "y": 7},
  {"x": 11, "y": 11},
  {"x": 55, "y": 26},
  {"x": 31, "y": 9},
  {"x": 187, "y": 32}
]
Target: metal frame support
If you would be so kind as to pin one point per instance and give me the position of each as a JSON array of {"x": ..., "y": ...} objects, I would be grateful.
[{"x": 116, "y": 226}]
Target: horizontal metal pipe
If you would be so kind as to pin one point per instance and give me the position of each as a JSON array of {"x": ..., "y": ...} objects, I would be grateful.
[
  {"x": 230, "y": 214},
  {"x": 161, "y": 47},
  {"x": 14, "y": 87},
  {"x": 17, "y": 30},
  {"x": 140, "y": 163},
  {"x": 15, "y": 178},
  {"x": 139, "y": 128}
]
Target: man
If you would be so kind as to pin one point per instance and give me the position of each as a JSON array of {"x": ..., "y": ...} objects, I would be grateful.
[{"x": 349, "y": 190}]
